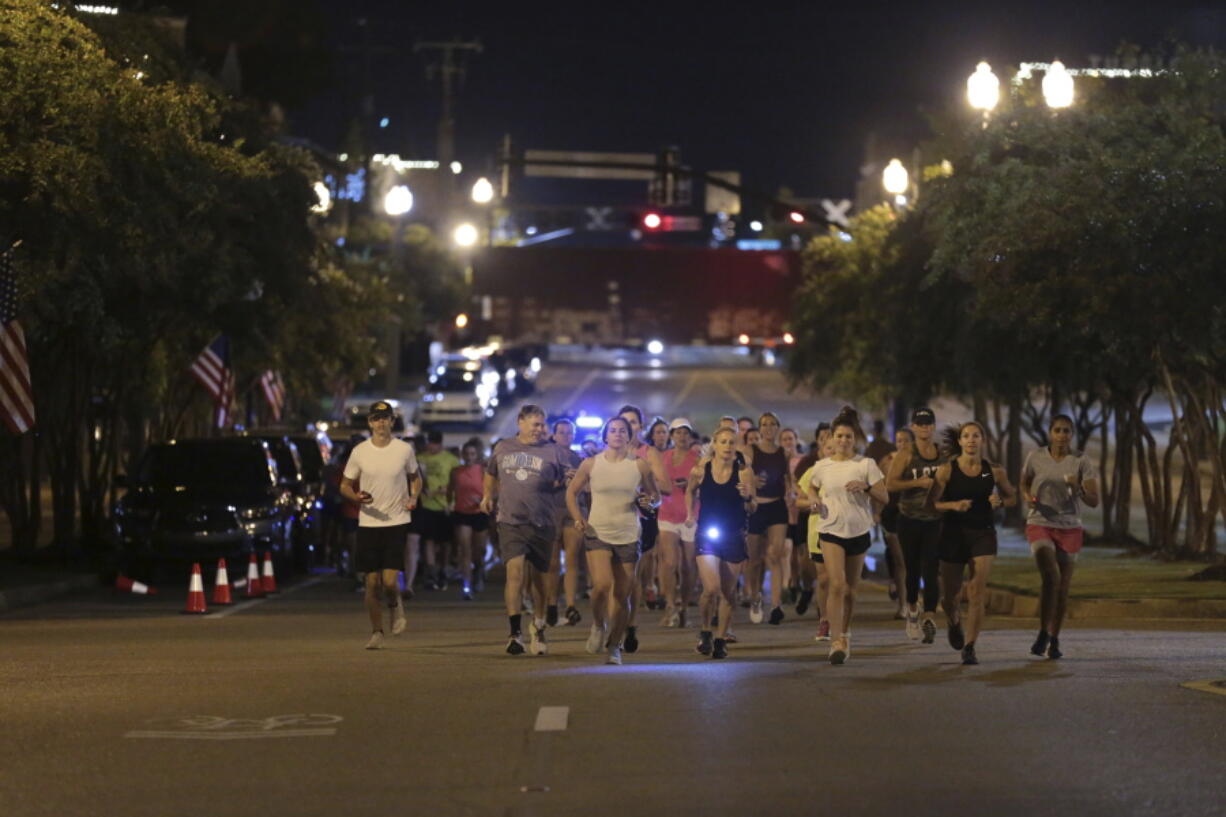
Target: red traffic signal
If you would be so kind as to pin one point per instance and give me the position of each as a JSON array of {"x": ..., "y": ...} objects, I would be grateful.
[{"x": 653, "y": 221}]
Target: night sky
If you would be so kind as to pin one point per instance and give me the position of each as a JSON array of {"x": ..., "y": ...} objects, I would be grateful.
[{"x": 785, "y": 93}]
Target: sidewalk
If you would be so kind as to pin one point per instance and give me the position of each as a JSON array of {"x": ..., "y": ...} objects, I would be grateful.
[{"x": 33, "y": 580}]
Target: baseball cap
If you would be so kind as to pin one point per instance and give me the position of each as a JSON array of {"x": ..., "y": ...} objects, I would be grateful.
[
  {"x": 380, "y": 408},
  {"x": 680, "y": 422},
  {"x": 923, "y": 416}
]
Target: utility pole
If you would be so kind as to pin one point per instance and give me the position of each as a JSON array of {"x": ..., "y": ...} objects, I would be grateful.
[{"x": 446, "y": 61}]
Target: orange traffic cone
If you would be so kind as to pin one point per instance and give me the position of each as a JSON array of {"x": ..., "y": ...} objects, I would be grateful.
[
  {"x": 255, "y": 590},
  {"x": 125, "y": 585},
  {"x": 269, "y": 581},
  {"x": 195, "y": 593},
  {"x": 221, "y": 590}
]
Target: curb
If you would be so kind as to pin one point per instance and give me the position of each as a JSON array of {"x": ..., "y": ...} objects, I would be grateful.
[
  {"x": 38, "y": 593},
  {"x": 1007, "y": 603}
]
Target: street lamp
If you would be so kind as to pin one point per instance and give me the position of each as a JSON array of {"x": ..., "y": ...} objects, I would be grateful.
[
  {"x": 983, "y": 89},
  {"x": 323, "y": 198},
  {"x": 895, "y": 178},
  {"x": 465, "y": 235},
  {"x": 483, "y": 191},
  {"x": 398, "y": 201},
  {"x": 1058, "y": 86}
]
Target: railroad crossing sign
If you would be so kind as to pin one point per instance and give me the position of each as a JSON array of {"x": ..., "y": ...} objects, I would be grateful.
[
  {"x": 836, "y": 212},
  {"x": 598, "y": 218}
]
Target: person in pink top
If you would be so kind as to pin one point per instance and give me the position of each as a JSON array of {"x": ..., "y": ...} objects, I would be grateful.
[
  {"x": 471, "y": 525},
  {"x": 676, "y": 543}
]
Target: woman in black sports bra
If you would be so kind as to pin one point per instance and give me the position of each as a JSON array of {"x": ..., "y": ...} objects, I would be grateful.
[
  {"x": 966, "y": 491},
  {"x": 768, "y": 524}
]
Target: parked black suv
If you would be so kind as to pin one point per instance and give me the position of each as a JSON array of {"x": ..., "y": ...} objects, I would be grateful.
[{"x": 200, "y": 500}]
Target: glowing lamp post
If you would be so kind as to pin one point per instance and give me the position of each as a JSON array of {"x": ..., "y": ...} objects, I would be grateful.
[
  {"x": 483, "y": 191},
  {"x": 465, "y": 235},
  {"x": 1058, "y": 86},
  {"x": 983, "y": 89},
  {"x": 398, "y": 201}
]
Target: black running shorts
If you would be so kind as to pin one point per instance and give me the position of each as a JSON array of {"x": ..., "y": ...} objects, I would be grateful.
[{"x": 380, "y": 548}]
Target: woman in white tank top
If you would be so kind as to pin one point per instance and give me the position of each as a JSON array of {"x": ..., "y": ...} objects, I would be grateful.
[{"x": 614, "y": 477}]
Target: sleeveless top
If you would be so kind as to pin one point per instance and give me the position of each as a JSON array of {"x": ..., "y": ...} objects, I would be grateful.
[
  {"x": 722, "y": 504},
  {"x": 468, "y": 487},
  {"x": 614, "y": 517},
  {"x": 772, "y": 467},
  {"x": 977, "y": 489},
  {"x": 913, "y": 502},
  {"x": 672, "y": 510}
]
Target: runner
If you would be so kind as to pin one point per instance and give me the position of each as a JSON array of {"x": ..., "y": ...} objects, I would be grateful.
[
  {"x": 676, "y": 544},
  {"x": 657, "y": 436},
  {"x": 789, "y": 440},
  {"x": 715, "y": 498},
  {"x": 846, "y": 484},
  {"x": 812, "y": 575},
  {"x": 611, "y": 531},
  {"x": 768, "y": 524},
  {"x": 570, "y": 540},
  {"x": 919, "y": 524},
  {"x": 525, "y": 473},
  {"x": 966, "y": 492},
  {"x": 434, "y": 521},
  {"x": 634, "y": 416},
  {"x": 390, "y": 482},
  {"x": 1053, "y": 480},
  {"x": 904, "y": 443},
  {"x": 471, "y": 525}
]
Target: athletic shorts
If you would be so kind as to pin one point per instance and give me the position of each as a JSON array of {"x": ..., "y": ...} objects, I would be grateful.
[
  {"x": 380, "y": 548},
  {"x": 768, "y": 515},
  {"x": 852, "y": 546},
  {"x": 649, "y": 531},
  {"x": 434, "y": 526},
  {"x": 728, "y": 546},
  {"x": 960, "y": 544},
  {"x": 479, "y": 522},
  {"x": 1067, "y": 541},
  {"x": 626, "y": 554},
  {"x": 684, "y": 531},
  {"x": 533, "y": 543},
  {"x": 889, "y": 518}
]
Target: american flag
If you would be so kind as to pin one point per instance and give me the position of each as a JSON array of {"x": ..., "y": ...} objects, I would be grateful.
[
  {"x": 212, "y": 369},
  {"x": 274, "y": 392},
  {"x": 16, "y": 396}
]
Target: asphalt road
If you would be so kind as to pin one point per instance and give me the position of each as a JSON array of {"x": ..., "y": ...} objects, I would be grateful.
[{"x": 120, "y": 705}]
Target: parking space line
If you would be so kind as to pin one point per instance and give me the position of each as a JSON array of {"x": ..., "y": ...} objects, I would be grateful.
[
  {"x": 243, "y": 605},
  {"x": 552, "y": 719}
]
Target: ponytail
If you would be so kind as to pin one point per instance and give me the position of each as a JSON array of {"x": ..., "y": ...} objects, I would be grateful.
[{"x": 849, "y": 417}]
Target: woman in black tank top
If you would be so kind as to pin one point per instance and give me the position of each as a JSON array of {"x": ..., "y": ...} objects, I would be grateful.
[
  {"x": 768, "y": 525},
  {"x": 966, "y": 489}
]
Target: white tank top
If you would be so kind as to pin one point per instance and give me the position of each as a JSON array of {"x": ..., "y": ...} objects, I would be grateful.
[{"x": 614, "y": 517}]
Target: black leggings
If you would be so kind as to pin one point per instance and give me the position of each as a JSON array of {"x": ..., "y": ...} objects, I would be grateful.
[{"x": 920, "y": 540}]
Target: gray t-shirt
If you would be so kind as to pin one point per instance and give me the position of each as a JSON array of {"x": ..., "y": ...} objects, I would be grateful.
[
  {"x": 1057, "y": 505},
  {"x": 529, "y": 480}
]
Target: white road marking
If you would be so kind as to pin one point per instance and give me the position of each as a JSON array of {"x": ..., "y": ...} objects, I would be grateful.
[
  {"x": 684, "y": 393},
  {"x": 734, "y": 394},
  {"x": 243, "y": 605},
  {"x": 574, "y": 395},
  {"x": 552, "y": 718}
]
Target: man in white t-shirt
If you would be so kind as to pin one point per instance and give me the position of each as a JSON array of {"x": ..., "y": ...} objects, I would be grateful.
[{"x": 382, "y": 476}]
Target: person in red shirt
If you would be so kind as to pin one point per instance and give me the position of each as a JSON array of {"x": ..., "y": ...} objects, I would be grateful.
[{"x": 470, "y": 523}]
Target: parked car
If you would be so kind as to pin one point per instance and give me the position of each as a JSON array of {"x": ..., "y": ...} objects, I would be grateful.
[
  {"x": 293, "y": 453},
  {"x": 519, "y": 367},
  {"x": 201, "y": 500},
  {"x": 460, "y": 391}
]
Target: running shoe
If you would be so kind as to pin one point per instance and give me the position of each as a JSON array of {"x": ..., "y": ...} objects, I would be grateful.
[
  {"x": 376, "y": 641},
  {"x": 515, "y": 645},
  {"x": 776, "y": 616},
  {"x": 719, "y": 649},
  {"x": 913, "y": 627},
  {"x": 398, "y": 621},
  {"x": 930, "y": 630},
  {"x": 595, "y": 640},
  {"x": 802, "y": 606},
  {"x": 467, "y": 595},
  {"x": 755, "y": 611},
  {"x": 631, "y": 642},
  {"x": 572, "y": 617},
  {"x": 615, "y": 656},
  {"x": 847, "y": 641},
  {"x": 901, "y": 613},
  {"x": 704, "y": 643},
  {"x": 551, "y": 615},
  {"x": 957, "y": 639},
  {"x": 1039, "y": 647},
  {"x": 838, "y": 651},
  {"x": 1053, "y": 650},
  {"x": 968, "y": 654},
  {"x": 729, "y": 636},
  {"x": 823, "y": 631},
  {"x": 537, "y": 644}
]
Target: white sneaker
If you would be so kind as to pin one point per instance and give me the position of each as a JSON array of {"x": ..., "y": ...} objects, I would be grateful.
[
  {"x": 537, "y": 645},
  {"x": 595, "y": 640},
  {"x": 847, "y": 641},
  {"x": 913, "y": 630},
  {"x": 755, "y": 611},
  {"x": 398, "y": 620},
  {"x": 615, "y": 655},
  {"x": 376, "y": 641}
]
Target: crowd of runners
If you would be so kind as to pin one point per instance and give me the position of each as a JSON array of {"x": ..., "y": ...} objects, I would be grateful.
[{"x": 656, "y": 516}]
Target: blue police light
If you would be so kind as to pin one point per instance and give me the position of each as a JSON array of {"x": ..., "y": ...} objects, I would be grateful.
[{"x": 713, "y": 533}]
